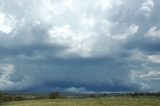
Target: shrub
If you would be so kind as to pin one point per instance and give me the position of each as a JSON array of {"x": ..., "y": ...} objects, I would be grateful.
[
  {"x": 54, "y": 95},
  {"x": 18, "y": 98}
]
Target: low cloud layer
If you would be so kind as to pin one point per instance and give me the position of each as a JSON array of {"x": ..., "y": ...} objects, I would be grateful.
[{"x": 89, "y": 46}]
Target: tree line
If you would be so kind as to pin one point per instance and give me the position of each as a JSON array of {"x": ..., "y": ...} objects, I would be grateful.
[{"x": 6, "y": 97}]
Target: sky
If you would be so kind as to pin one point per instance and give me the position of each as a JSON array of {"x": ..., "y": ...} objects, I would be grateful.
[{"x": 80, "y": 46}]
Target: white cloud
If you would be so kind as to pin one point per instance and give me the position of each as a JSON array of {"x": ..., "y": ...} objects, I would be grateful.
[
  {"x": 7, "y": 23},
  {"x": 69, "y": 24},
  {"x": 5, "y": 71},
  {"x": 131, "y": 30},
  {"x": 88, "y": 22},
  {"x": 137, "y": 55},
  {"x": 68, "y": 3},
  {"x": 78, "y": 90},
  {"x": 154, "y": 33},
  {"x": 147, "y": 77},
  {"x": 6, "y": 75},
  {"x": 146, "y": 8},
  {"x": 105, "y": 4},
  {"x": 74, "y": 89},
  {"x": 151, "y": 75},
  {"x": 77, "y": 42},
  {"x": 61, "y": 35},
  {"x": 154, "y": 58}
]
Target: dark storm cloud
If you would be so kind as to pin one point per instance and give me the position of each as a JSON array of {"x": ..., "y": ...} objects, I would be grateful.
[{"x": 65, "y": 45}]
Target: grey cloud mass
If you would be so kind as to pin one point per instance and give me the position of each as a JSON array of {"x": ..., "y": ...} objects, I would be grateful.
[{"x": 80, "y": 46}]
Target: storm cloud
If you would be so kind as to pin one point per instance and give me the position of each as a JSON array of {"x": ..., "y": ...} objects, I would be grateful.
[{"x": 80, "y": 46}]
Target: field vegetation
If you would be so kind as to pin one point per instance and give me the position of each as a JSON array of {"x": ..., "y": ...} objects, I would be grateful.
[
  {"x": 56, "y": 99},
  {"x": 105, "y": 101}
]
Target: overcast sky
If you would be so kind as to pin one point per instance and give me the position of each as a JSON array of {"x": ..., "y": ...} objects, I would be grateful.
[{"x": 80, "y": 45}]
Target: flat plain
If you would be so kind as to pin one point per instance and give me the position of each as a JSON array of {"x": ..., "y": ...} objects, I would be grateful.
[{"x": 106, "y": 101}]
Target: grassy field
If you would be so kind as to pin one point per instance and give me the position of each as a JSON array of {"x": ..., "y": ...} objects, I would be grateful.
[{"x": 108, "y": 101}]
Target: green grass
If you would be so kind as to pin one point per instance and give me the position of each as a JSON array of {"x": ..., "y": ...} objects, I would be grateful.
[{"x": 108, "y": 101}]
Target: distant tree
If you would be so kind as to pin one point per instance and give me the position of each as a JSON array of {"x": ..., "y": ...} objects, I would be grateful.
[
  {"x": 1, "y": 94},
  {"x": 18, "y": 98},
  {"x": 94, "y": 95},
  {"x": 7, "y": 98},
  {"x": 54, "y": 95},
  {"x": 135, "y": 94},
  {"x": 158, "y": 94}
]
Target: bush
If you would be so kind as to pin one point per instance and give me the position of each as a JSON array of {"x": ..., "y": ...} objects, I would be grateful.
[
  {"x": 54, "y": 95},
  {"x": 7, "y": 98},
  {"x": 18, "y": 98}
]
